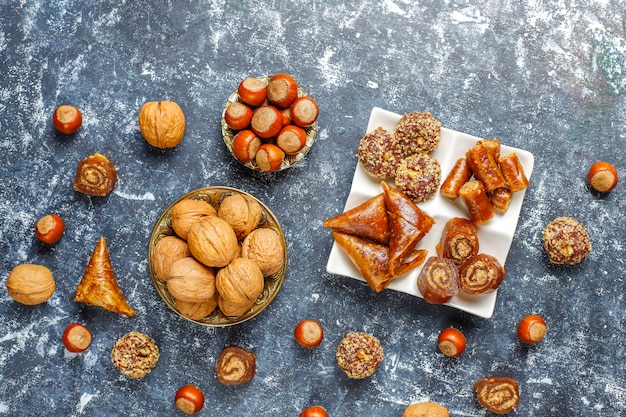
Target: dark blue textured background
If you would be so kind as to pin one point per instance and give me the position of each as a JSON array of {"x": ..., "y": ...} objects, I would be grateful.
[{"x": 548, "y": 77}]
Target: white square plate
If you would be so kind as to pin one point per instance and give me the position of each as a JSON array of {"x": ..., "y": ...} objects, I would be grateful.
[{"x": 495, "y": 237}]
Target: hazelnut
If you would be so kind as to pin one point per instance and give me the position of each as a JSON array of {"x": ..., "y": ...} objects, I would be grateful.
[
  {"x": 196, "y": 311},
  {"x": 264, "y": 247},
  {"x": 189, "y": 280},
  {"x": 167, "y": 251},
  {"x": 162, "y": 123},
  {"x": 30, "y": 284},
  {"x": 241, "y": 282},
  {"x": 187, "y": 212},
  {"x": 213, "y": 242},
  {"x": 242, "y": 212}
]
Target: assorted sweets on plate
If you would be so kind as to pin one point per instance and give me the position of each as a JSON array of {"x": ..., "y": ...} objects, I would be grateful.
[
  {"x": 269, "y": 123},
  {"x": 463, "y": 194},
  {"x": 217, "y": 256}
]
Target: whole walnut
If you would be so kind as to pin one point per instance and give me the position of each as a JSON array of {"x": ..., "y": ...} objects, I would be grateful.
[
  {"x": 264, "y": 247},
  {"x": 240, "y": 282},
  {"x": 426, "y": 409},
  {"x": 233, "y": 310},
  {"x": 30, "y": 284},
  {"x": 242, "y": 212},
  {"x": 213, "y": 242},
  {"x": 196, "y": 311},
  {"x": 168, "y": 250},
  {"x": 187, "y": 212},
  {"x": 162, "y": 123},
  {"x": 189, "y": 280}
]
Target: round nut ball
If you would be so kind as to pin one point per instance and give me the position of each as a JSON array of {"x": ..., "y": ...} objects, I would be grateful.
[
  {"x": 264, "y": 247},
  {"x": 135, "y": 354},
  {"x": 30, "y": 284},
  {"x": 359, "y": 354},
  {"x": 426, "y": 409},
  {"x": 566, "y": 241},
  {"x": 162, "y": 123}
]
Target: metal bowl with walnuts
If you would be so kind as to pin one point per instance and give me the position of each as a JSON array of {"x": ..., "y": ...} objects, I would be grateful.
[{"x": 240, "y": 298}]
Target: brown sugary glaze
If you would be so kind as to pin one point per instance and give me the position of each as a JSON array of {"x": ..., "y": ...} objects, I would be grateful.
[
  {"x": 438, "y": 280},
  {"x": 481, "y": 274},
  {"x": 566, "y": 241},
  {"x": 498, "y": 394},
  {"x": 235, "y": 365}
]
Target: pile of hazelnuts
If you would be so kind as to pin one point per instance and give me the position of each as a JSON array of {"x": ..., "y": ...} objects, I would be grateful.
[{"x": 270, "y": 119}]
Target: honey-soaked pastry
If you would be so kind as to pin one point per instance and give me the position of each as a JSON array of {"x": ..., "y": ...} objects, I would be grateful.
[
  {"x": 359, "y": 354},
  {"x": 135, "y": 354},
  {"x": 566, "y": 241},
  {"x": 481, "y": 274},
  {"x": 95, "y": 175},
  {"x": 380, "y": 153},
  {"x": 418, "y": 176},
  {"x": 500, "y": 199},
  {"x": 410, "y": 261},
  {"x": 479, "y": 208},
  {"x": 484, "y": 164},
  {"x": 499, "y": 394},
  {"x": 418, "y": 132},
  {"x": 513, "y": 172},
  {"x": 398, "y": 203},
  {"x": 459, "y": 240},
  {"x": 99, "y": 286},
  {"x": 458, "y": 175},
  {"x": 235, "y": 365},
  {"x": 438, "y": 281},
  {"x": 367, "y": 220},
  {"x": 371, "y": 259}
]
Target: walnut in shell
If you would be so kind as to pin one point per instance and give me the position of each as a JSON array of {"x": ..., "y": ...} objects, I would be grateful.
[
  {"x": 187, "y": 212},
  {"x": 30, "y": 284},
  {"x": 191, "y": 281},
  {"x": 233, "y": 310},
  {"x": 242, "y": 212},
  {"x": 264, "y": 247},
  {"x": 162, "y": 123},
  {"x": 196, "y": 311},
  {"x": 167, "y": 251},
  {"x": 241, "y": 282},
  {"x": 213, "y": 242}
]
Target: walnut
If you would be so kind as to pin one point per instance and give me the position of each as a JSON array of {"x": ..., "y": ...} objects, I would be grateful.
[
  {"x": 30, "y": 284},
  {"x": 162, "y": 123},
  {"x": 167, "y": 251},
  {"x": 242, "y": 212},
  {"x": 191, "y": 281},
  {"x": 264, "y": 247},
  {"x": 241, "y": 282},
  {"x": 187, "y": 212},
  {"x": 426, "y": 409},
  {"x": 196, "y": 311},
  {"x": 233, "y": 310},
  {"x": 213, "y": 242}
]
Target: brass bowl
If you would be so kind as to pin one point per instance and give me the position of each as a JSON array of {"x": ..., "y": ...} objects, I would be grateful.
[
  {"x": 290, "y": 160},
  {"x": 214, "y": 196}
]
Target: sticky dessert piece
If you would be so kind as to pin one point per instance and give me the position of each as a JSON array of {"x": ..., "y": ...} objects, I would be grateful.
[
  {"x": 235, "y": 365},
  {"x": 481, "y": 274},
  {"x": 99, "y": 286},
  {"x": 418, "y": 176},
  {"x": 459, "y": 240},
  {"x": 359, "y": 354},
  {"x": 458, "y": 175},
  {"x": 135, "y": 354},
  {"x": 371, "y": 259},
  {"x": 476, "y": 200},
  {"x": 513, "y": 172},
  {"x": 418, "y": 132},
  {"x": 438, "y": 281},
  {"x": 483, "y": 160},
  {"x": 95, "y": 176},
  {"x": 500, "y": 199},
  {"x": 498, "y": 394},
  {"x": 367, "y": 220},
  {"x": 566, "y": 241},
  {"x": 379, "y": 153}
]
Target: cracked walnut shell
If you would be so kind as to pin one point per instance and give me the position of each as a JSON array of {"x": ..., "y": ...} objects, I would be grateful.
[
  {"x": 162, "y": 123},
  {"x": 264, "y": 247},
  {"x": 242, "y": 212}
]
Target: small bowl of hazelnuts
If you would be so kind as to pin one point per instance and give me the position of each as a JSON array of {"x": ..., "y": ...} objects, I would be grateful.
[
  {"x": 217, "y": 256},
  {"x": 269, "y": 123}
]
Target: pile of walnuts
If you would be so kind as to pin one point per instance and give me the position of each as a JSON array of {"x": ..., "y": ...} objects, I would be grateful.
[{"x": 218, "y": 257}]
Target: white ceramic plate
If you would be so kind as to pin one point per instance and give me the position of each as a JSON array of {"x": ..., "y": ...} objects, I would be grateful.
[{"x": 495, "y": 237}]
